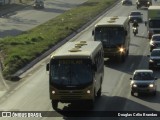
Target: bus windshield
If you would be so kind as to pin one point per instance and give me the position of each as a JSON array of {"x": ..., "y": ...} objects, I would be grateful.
[
  {"x": 73, "y": 72},
  {"x": 110, "y": 35},
  {"x": 154, "y": 23}
]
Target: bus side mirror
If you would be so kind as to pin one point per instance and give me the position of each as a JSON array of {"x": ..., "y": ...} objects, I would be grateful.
[
  {"x": 47, "y": 67},
  {"x": 92, "y": 32}
]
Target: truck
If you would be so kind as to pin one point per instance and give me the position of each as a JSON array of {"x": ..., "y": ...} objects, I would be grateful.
[{"x": 153, "y": 22}]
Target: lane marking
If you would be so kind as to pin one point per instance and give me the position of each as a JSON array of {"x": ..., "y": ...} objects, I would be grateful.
[{"x": 132, "y": 65}]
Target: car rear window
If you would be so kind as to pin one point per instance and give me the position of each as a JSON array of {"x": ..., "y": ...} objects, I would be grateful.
[{"x": 135, "y": 13}]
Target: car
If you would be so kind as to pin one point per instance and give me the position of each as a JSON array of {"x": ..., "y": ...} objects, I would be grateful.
[
  {"x": 154, "y": 59},
  {"x": 143, "y": 81},
  {"x": 145, "y": 3},
  {"x": 126, "y": 2},
  {"x": 155, "y": 41},
  {"x": 38, "y": 4},
  {"x": 135, "y": 15}
]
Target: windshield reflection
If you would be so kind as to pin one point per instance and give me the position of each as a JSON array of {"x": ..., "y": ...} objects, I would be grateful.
[
  {"x": 143, "y": 76},
  {"x": 70, "y": 74},
  {"x": 109, "y": 35}
]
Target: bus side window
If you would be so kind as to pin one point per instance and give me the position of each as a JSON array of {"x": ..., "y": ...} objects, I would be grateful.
[
  {"x": 96, "y": 61},
  {"x": 126, "y": 33},
  {"x": 98, "y": 58}
]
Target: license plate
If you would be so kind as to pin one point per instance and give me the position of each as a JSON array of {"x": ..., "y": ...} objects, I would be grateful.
[
  {"x": 143, "y": 89},
  {"x": 158, "y": 63}
]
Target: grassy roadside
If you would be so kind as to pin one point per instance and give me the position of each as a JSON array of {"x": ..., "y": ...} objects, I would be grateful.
[{"x": 16, "y": 52}]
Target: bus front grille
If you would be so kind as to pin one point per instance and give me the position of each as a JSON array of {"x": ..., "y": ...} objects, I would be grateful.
[
  {"x": 76, "y": 97},
  {"x": 70, "y": 92}
]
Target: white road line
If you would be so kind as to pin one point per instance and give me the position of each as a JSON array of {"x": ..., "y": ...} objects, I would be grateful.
[{"x": 132, "y": 65}]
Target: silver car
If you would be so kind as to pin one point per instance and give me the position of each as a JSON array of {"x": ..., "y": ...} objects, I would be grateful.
[
  {"x": 154, "y": 42},
  {"x": 154, "y": 59},
  {"x": 143, "y": 81}
]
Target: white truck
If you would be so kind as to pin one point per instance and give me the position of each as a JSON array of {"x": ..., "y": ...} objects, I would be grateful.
[{"x": 153, "y": 20}]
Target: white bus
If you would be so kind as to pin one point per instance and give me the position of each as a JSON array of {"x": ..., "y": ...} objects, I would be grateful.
[
  {"x": 76, "y": 73},
  {"x": 114, "y": 33}
]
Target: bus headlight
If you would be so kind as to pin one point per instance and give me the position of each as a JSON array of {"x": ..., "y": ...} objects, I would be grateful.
[
  {"x": 151, "y": 85},
  {"x": 134, "y": 85},
  {"x": 151, "y": 61},
  {"x": 53, "y": 92},
  {"x": 148, "y": 2},
  {"x": 121, "y": 49},
  {"x": 88, "y": 91}
]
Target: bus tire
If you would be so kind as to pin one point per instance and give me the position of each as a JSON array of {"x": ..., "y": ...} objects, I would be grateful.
[
  {"x": 132, "y": 93},
  {"x": 150, "y": 67},
  {"x": 154, "y": 93},
  {"x": 122, "y": 58},
  {"x": 91, "y": 102},
  {"x": 99, "y": 93},
  {"x": 127, "y": 53},
  {"x": 54, "y": 104}
]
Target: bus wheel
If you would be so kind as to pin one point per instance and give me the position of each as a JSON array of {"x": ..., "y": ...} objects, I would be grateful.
[
  {"x": 54, "y": 104},
  {"x": 154, "y": 93},
  {"x": 127, "y": 53},
  {"x": 99, "y": 93},
  {"x": 132, "y": 93},
  {"x": 122, "y": 59}
]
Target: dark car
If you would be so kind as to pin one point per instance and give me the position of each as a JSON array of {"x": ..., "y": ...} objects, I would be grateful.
[
  {"x": 145, "y": 3},
  {"x": 143, "y": 81},
  {"x": 126, "y": 2},
  {"x": 38, "y": 4},
  {"x": 154, "y": 59},
  {"x": 155, "y": 41},
  {"x": 136, "y": 15}
]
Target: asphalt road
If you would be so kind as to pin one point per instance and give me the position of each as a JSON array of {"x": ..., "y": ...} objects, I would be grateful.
[
  {"x": 32, "y": 91},
  {"x": 22, "y": 20}
]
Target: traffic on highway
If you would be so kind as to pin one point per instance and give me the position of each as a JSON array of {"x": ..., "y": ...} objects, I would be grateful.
[{"x": 110, "y": 70}]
